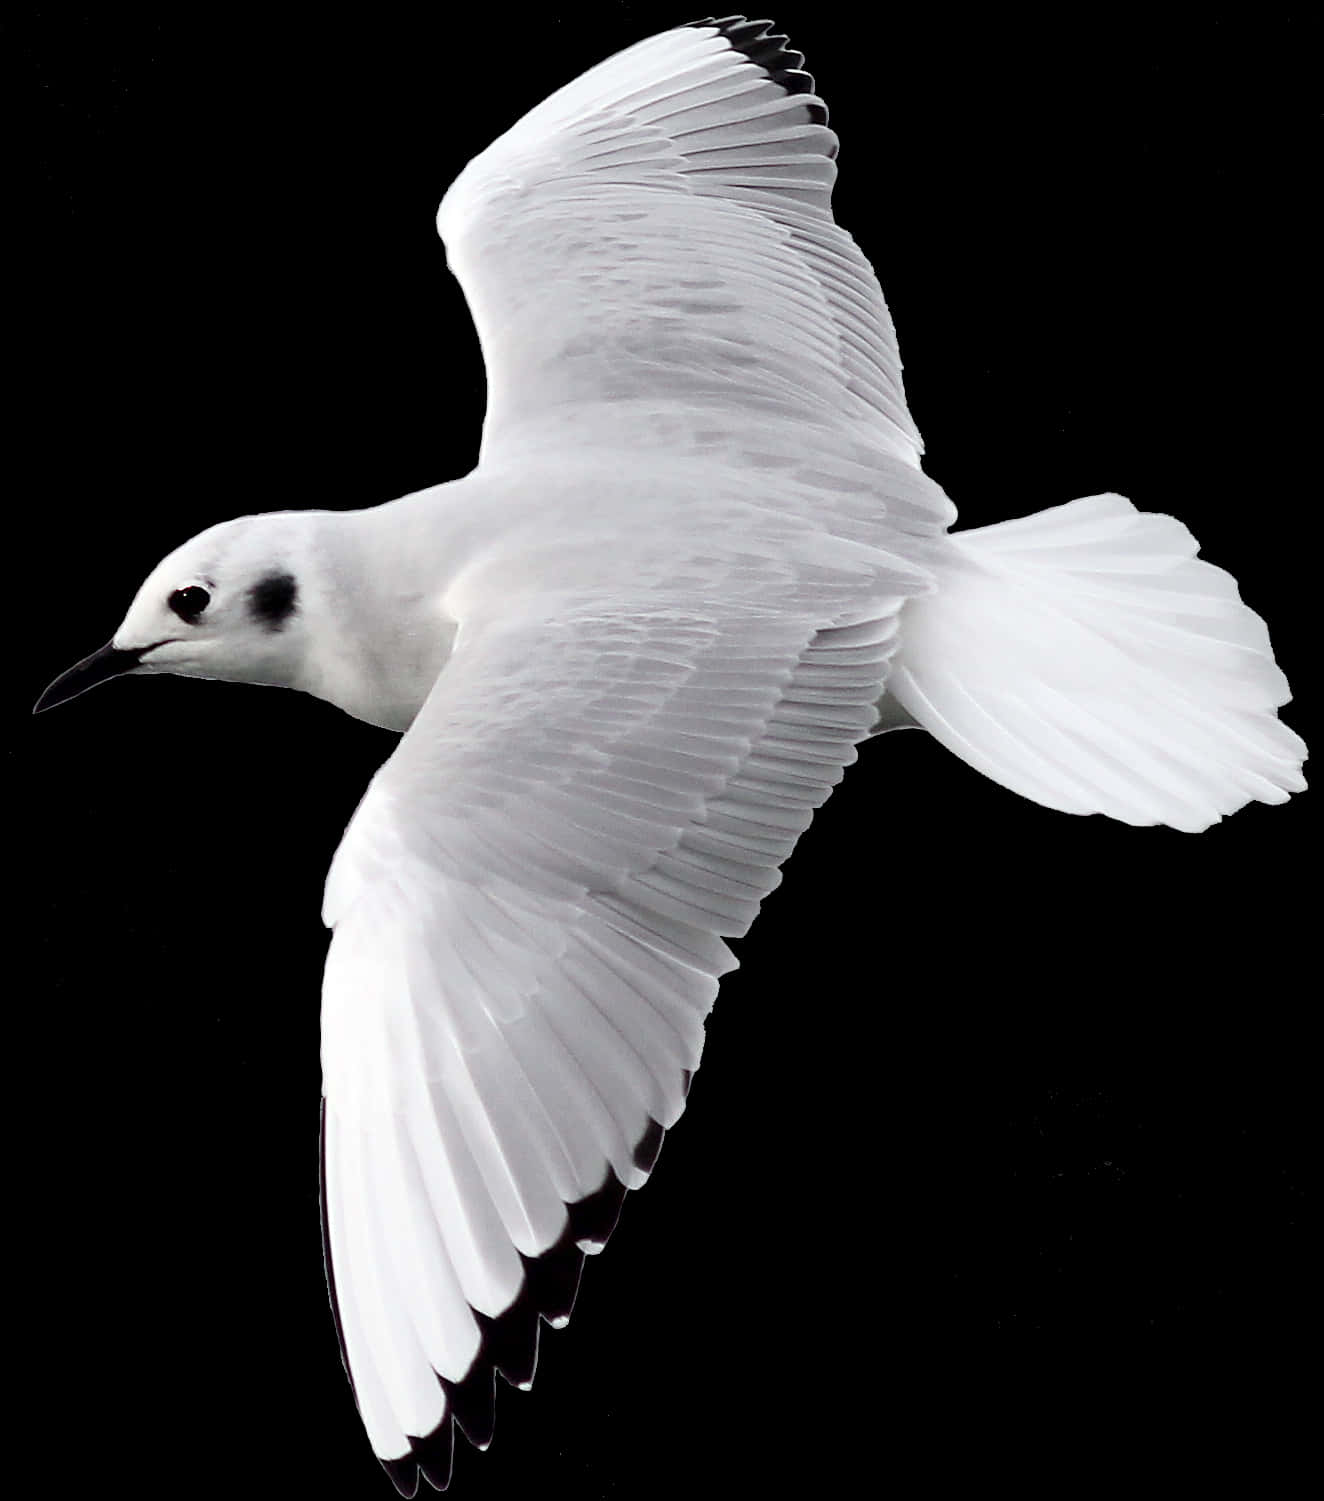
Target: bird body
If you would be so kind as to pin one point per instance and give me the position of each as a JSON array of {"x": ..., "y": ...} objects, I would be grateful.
[{"x": 631, "y": 654}]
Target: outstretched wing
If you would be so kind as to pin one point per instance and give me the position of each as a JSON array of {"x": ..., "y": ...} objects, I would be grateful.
[
  {"x": 653, "y": 247},
  {"x": 528, "y": 909}
]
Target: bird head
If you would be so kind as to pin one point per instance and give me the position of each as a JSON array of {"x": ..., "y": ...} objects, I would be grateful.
[{"x": 224, "y": 605}]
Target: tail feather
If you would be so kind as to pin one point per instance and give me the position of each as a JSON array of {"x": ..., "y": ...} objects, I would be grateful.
[{"x": 1086, "y": 658}]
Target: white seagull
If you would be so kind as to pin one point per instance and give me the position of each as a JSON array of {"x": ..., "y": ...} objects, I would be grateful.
[{"x": 630, "y": 654}]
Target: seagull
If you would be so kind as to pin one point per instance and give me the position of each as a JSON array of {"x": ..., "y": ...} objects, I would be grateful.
[{"x": 628, "y": 656}]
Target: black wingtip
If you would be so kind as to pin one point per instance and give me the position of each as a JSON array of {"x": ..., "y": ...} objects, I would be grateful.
[
  {"x": 510, "y": 1339},
  {"x": 769, "y": 50},
  {"x": 436, "y": 1456},
  {"x": 472, "y": 1402},
  {"x": 403, "y": 1474},
  {"x": 648, "y": 1146},
  {"x": 594, "y": 1218},
  {"x": 511, "y": 1343}
]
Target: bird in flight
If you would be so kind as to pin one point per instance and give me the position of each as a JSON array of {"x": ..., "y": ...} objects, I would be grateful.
[{"x": 629, "y": 655}]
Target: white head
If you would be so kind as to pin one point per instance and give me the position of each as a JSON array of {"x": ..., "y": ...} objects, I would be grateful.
[{"x": 227, "y": 604}]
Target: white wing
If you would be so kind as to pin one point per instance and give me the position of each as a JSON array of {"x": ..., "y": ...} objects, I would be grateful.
[
  {"x": 530, "y": 902},
  {"x": 651, "y": 253},
  {"x": 527, "y": 908}
]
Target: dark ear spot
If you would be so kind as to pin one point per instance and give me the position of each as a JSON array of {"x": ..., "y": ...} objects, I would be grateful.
[{"x": 273, "y": 599}]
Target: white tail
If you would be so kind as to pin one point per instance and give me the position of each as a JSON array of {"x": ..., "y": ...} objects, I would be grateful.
[{"x": 1087, "y": 659}]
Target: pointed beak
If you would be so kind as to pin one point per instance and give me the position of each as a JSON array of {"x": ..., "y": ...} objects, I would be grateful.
[{"x": 109, "y": 662}]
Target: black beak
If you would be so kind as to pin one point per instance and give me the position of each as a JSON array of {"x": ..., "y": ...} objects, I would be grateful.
[{"x": 109, "y": 662}]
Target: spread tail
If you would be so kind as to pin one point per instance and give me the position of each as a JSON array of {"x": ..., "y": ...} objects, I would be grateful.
[{"x": 1087, "y": 659}]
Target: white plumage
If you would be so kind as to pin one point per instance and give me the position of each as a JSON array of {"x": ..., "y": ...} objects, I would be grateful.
[
  {"x": 632, "y": 653},
  {"x": 657, "y": 238},
  {"x": 529, "y": 892},
  {"x": 1086, "y": 658}
]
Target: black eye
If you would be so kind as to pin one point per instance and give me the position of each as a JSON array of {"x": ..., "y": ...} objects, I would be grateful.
[{"x": 190, "y": 602}]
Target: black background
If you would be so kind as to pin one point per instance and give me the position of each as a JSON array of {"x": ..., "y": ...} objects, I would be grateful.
[{"x": 986, "y": 1069}]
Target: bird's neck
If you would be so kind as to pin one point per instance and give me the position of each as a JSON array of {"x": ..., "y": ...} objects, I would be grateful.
[{"x": 383, "y": 634}]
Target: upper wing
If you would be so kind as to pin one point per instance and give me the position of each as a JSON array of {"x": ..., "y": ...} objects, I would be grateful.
[
  {"x": 652, "y": 248},
  {"x": 527, "y": 908}
]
